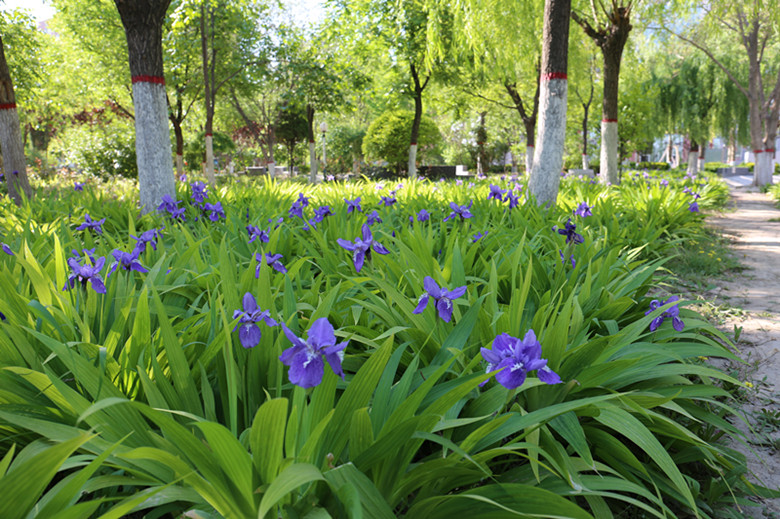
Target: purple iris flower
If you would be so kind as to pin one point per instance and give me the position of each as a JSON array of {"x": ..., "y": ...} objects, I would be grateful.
[
  {"x": 78, "y": 186},
  {"x": 199, "y": 194},
  {"x": 373, "y": 218},
  {"x": 694, "y": 207},
  {"x": 563, "y": 259},
  {"x": 305, "y": 357},
  {"x": 126, "y": 260},
  {"x": 321, "y": 212},
  {"x": 441, "y": 295},
  {"x": 569, "y": 232},
  {"x": 496, "y": 193},
  {"x": 330, "y": 178},
  {"x": 215, "y": 211},
  {"x": 513, "y": 359},
  {"x": 362, "y": 247},
  {"x": 303, "y": 200},
  {"x": 2, "y": 316},
  {"x": 672, "y": 312},
  {"x": 93, "y": 225},
  {"x": 183, "y": 177},
  {"x": 513, "y": 199},
  {"x": 583, "y": 210},
  {"x": 269, "y": 259},
  {"x": 296, "y": 210},
  {"x": 460, "y": 210},
  {"x": 151, "y": 236},
  {"x": 664, "y": 182},
  {"x": 388, "y": 200},
  {"x": 8, "y": 250},
  {"x": 171, "y": 206},
  {"x": 423, "y": 215},
  {"x": 256, "y": 233},
  {"x": 354, "y": 205},
  {"x": 478, "y": 236},
  {"x": 249, "y": 332},
  {"x": 84, "y": 273},
  {"x": 459, "y": 182}
]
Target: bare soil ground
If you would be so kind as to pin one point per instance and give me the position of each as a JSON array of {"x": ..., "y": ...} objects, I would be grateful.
[{"x": 754, "y": 228}]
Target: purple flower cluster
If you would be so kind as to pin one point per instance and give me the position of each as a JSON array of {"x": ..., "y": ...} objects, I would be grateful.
[
  {"x": 93, "y": 225},
  {"x": 215, "y": 211},
  {"x": 569, "y": 231},
  {"x": 442, "y": 298},
  {"x": 248, "y": 332},
  {"x": 199, "y": 194},
  {"x": 513, "y": 358},
  {"x": 126, "y": 260},
  {"x": 583, "y": 210},
  {"x": 171, "y": 206},
  {"x": 672, "y": 312},
  {"x": 305, "y": 358},
  {"x": 354, "y": 205},
  {"x": 86, "y": 273},
  {"x": 463, "y": 211},
  {"x": 256, "y": 233},
  {"x": 362, "y": 246},
  {"x": 269, "y": 259}
]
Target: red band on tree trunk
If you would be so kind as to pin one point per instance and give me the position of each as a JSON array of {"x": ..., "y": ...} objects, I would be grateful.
[
  {"x": 609, "y": 120},
  {"x": 413, "y": 144},
  {"x": 756, "y": 152},
  {"x": 311, "y": 142},
  {"x": 769, "y": 150},
  {"x": 554, "y": 75},
  {"x": 529, "y": 145},
  {"x": 7, "y": 106},
  {"x": 149, "y": 79},
  {"x": 209, "y": 135}
]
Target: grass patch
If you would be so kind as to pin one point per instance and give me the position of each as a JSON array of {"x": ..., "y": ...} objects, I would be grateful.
[{"x": 707, "y": 255}]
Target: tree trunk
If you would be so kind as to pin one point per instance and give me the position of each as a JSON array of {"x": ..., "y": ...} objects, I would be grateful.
[
  {"x": 693, "y": 161},
  {"x": 609, "y": 123},
  {"x": 143, "y": 21},
  {"x": 14, "y": 163},
  {"x": 208, "y": 91},
  {"x": 700, "y": 162},
  {"x": 548, "y": 157},
  {"x": 418, "y": 111},
  {"x": 529, "y": 120},
  {"x": 179, "y": 135},
  {"x": 731, "y": 157},
  {"x": 586, "y": 109},
  {"x": 313, "y": 166}
]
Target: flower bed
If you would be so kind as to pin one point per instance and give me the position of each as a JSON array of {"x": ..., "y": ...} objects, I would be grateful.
[{"x": 386, "y": 350}]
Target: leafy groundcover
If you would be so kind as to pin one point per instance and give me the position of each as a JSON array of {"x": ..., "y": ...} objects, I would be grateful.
[{"x": 267, "y": 349}]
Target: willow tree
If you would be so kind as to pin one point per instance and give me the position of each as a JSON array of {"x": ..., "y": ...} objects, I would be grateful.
[
  {"x": 143, "y": 23},
  {"x": 608, "y": 25},
  {"x": 752, "y": 26}
]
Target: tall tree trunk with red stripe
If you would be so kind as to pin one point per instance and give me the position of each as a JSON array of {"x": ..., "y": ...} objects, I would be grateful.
[
  {"x": 548, "y": 156},
  {"x": 611, "y": 38},
  {"x": 143, "y": 21},
  {"x": 14, "y": 164}
]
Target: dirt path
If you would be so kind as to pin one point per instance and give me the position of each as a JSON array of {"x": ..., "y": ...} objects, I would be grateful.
[{"x": 757, "y": 291}]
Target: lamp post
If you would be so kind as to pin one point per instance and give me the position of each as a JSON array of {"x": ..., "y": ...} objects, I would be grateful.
[{"x": 323, "y": 129}]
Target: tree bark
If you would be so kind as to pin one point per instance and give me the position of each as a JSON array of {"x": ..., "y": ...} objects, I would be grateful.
[
  {"x": 548, "y": 157},
  {"x": 14, "y": 163},
  {"x": 143, "y": 21},
  {"x": 693, "y": 160}
]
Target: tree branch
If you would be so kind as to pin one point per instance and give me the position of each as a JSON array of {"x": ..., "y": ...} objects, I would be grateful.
[{"x": 715, "y": 60}]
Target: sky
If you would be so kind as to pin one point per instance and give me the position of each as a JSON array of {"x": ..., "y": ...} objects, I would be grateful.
[{"x": 304, "y": 11}]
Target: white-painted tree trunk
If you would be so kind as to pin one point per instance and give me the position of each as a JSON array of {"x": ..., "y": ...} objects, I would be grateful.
[
  {"x": 693, "y": 164},
  {"x": 412, "y": 169},
  {"x": 608, "y": 169},
  {"x": 529, "y": 159},
  {"x": 271, "y": 169},
  {"x": 179, "y": 165},
  {"x": 764, "y": 168},
  {"x": 548, "y": 157},
  {"x": 152, "y": 144},
  {"x": 210, "y": 160},
  {"x": 312, "y": 163},
  {"x": 700, "y": 164},
  {"x": 13, "y": 154},
  {"x": 585, "y": 161}
]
